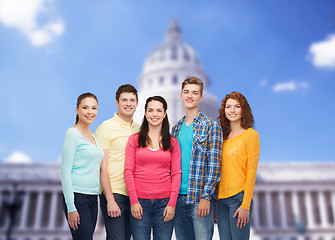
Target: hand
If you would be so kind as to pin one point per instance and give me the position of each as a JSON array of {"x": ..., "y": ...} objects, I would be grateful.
[
  {"x": 243, "y": 217},
  {"x": 137, "y": 211},
  {"x": 73, "y": 220},
  {"x": 203, "y": 208},
  {"x": 113, "y": 209},
  {"x": 168, "y": 213}
]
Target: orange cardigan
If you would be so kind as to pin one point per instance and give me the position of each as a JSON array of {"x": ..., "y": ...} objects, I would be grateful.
[{"x": 239, "y": 166}]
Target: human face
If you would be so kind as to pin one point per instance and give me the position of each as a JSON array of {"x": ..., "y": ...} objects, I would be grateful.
[
  {"x": 233, "y": 110},
  {"x": 155, "y": 113},
  {"x": 191, "y": 96},
  {"x": 126, "y": 104},
  {"x": 87, "y": 110}
]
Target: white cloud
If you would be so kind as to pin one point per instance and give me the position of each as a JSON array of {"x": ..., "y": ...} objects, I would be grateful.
[
  {"x": 18, "y": 157},
  {"x": 290, "y": 86},
  {"x": 24, "y": 14},
  {"x": 323, "y": 53},
  {"x": 263, "y": 82}
]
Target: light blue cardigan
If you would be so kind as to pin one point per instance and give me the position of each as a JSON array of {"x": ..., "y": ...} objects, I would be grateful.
[{"x": 80, "y": 166}]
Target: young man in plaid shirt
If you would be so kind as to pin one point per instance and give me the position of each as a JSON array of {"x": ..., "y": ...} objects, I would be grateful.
[{"x": 200, "y": 140}]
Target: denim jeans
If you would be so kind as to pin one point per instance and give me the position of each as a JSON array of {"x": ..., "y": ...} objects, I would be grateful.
[
  {"x": 117, "y": 228},
  {"x": 87, "y": 207},
  {"x": 153, "y": 210},
  {"x": 225, "y": 210},
  {"x": 188, "y": 225}
]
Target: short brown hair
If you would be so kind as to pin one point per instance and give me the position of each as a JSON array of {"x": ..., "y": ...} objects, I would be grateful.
[
  {"x": 193, "y": 80},
  {"x": 125, "y": 88}
]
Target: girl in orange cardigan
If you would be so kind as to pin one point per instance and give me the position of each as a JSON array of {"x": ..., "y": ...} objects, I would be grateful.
[{"x": 240, "y": 153}]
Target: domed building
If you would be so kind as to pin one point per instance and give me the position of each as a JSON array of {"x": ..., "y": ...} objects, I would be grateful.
[{"x": 165, "y": 68}]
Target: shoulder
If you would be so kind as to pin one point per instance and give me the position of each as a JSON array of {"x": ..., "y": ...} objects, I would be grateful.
[
  {"x": 134, "y": 137},
  {"x": 252, "y": 132},
  {"x": 136, "y": 126},
  {"x": 72, "y": 131},
  {"x": 204, "y": 119},
  {"x": 174, "y": 141},
  {"x": 107, "y": 123}
]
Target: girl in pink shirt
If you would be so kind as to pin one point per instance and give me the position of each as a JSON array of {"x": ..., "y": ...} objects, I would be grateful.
[{"x": 152, "y": 174}]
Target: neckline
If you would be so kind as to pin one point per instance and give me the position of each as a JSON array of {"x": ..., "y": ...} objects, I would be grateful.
[
  {"x": 185, "y": 124},
  {"x": 95, "y": 144},
  {"x": 153, "y": 150},
  {"x": 237, "y": 135}
]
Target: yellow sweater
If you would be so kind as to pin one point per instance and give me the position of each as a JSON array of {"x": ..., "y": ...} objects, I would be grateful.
[{"x": 239, "y": 166}]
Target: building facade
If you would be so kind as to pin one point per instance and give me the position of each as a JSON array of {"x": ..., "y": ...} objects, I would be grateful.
[{"x": 291, "y": 201}]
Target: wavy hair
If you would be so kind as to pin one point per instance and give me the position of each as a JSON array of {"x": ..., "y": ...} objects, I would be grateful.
[
  {"x": 144, "y": 139},
  {"x": 81, "y": 98},
  {"x": 247, "y": 119}
]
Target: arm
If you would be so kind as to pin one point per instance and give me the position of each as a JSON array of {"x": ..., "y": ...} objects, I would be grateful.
[
  {"x": 175, "y": 181},
  {"x": 104, "y": 139},
  {"x": 253, "y": 146},
  {"x": 113, "y": 209},
  {"x": 175, "y": 173},
  {"x": 68, "y": 154},
  {"x": 129, "y": 169},
  {"x": 252, "y": 162},
  {"x": 213, "y": 158}
]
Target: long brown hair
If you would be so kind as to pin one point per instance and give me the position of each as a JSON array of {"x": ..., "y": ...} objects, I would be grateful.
[
  {"x": 81, "y": 98},
  {"x": 247, "y": 119}
]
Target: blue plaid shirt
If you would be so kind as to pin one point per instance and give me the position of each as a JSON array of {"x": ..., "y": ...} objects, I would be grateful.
[{"x": 205, "y": 158}]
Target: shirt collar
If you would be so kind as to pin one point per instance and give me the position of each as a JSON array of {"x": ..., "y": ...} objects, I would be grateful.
[{"x": 122, "y": 122}]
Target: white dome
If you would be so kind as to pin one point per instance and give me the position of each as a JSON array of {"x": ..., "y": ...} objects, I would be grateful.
[{"x": 173, "y": 54}]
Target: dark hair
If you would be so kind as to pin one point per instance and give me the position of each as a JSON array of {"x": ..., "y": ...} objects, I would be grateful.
[
  {"x": 144, "y": 139},
  {"x": 81, "y": 98},
  {"x": 193, "y": 80},
  {"x": 247, "y": 119},
  {"x": 125, "y": 88}
]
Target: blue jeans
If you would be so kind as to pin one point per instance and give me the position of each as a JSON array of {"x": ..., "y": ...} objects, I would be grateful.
[
  {"x": 87, "y": 207},
  {"x": 188, "y": 225},
  {"x": 225, "y": 210},
  {"x": 117, "y": 228},
  {"x": 153, "y": 210}
]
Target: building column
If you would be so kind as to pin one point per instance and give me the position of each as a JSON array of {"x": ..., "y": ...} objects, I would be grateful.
[
  {"x": 39, "y": 210},
  {"x": 323, "y": 211},
  {"x": 53, "y": 209},
  {"x": 25, "y": 210},
  {"x": 255, "y": 211},
  {"x": 332, "y": 200},
  {"x": 282, "y": 207},
  {"x": 269, "y": 210},
  {"x": 309, "y": 210},
  {"x": 296, "y": 207}
]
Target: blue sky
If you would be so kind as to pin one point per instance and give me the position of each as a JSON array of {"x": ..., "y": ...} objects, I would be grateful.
[{"x": 279, "y": 54}]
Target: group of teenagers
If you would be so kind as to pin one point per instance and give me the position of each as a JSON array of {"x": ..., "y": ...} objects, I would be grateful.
[{"x": 149, "y": 179}]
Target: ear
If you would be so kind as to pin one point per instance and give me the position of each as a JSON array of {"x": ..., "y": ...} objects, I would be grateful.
[
  {"x": 117, "y": 103},
  {"x": 76, "y": 110},
  {"x": 200, "y": 98}
]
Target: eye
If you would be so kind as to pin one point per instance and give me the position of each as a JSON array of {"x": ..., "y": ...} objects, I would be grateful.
[
  {"x": 94, "y": 108},
  {"x": 238, "y": 106},
  {"x": 84, "y": 107}
]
